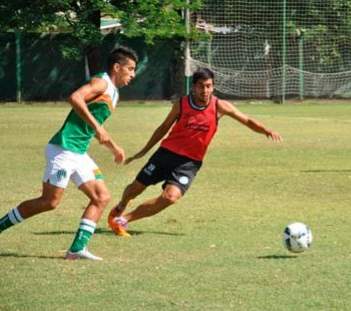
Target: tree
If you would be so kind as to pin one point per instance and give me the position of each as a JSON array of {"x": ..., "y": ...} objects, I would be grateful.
[{"x": 151, "y": 19}]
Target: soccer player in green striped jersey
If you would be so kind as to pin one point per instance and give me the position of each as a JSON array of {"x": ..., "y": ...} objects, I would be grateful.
[{"x": 66, "y": 152}]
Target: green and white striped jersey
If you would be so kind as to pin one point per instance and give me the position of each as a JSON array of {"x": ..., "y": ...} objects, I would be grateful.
[{"x": 76, "y": 134}]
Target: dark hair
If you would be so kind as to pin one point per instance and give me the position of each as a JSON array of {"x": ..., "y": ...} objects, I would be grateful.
[
  {"x": 203, "y": 74},
  {"x": 121, "y": 55}
]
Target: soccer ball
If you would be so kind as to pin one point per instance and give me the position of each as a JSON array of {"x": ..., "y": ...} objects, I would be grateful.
[{"x": 297, "y": 237}]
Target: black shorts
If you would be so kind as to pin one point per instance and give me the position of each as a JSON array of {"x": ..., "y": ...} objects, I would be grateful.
[{"x": 169, "y": 167}]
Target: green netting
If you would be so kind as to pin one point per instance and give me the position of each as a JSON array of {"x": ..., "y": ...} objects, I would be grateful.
[
  {"x": 7, "y": 67},
  {"x": 256, "y": 52},
  {"x": 47, "y": 75}
]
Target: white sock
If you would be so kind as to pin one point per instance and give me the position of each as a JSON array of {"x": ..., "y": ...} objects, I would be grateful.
[{"x": 15, "y": 216}]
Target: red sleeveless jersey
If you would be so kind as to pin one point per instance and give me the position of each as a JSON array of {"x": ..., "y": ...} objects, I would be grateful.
[{"x": 194, "y": 129}]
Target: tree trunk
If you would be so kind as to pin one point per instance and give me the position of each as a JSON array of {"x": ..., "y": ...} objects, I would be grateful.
[
  {"x": 93, "y": 55},
  {"x": 93, "y": 52}
]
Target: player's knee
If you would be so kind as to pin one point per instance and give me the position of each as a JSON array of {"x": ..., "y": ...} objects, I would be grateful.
[
  {"x": 170, "y": 197},
  {"x": 102, "y": 199},
  {"x": 49, "y": 204}
]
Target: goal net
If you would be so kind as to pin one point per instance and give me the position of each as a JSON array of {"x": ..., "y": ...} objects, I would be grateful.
[{"x": 268, "y": 49}]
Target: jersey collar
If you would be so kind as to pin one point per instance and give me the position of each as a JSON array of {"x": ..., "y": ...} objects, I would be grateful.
[{"x": 194, "y": 105}]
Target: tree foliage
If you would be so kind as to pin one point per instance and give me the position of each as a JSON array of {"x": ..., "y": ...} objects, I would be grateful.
[
  {"x": 326, "y": 24},
  {"x": 151, "y": 19}
]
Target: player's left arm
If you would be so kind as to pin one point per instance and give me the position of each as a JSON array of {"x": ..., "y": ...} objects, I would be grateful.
[{"x": 226, "y": 108}]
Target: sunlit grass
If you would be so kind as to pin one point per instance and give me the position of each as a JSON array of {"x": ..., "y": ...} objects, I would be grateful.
[{"x": 219, "y": 248}]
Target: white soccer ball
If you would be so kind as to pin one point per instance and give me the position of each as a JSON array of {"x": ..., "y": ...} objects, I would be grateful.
[{"x": 297, "y": 237}]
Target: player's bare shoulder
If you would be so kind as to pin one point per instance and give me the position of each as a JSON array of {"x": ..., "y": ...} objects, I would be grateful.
[
  {"x": 98, "y": 83},
  {"x": 175, "y": 102},
  {"x": 224, "y": 107}
]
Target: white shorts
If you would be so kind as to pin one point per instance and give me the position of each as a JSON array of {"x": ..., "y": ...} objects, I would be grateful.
[{"x": 64, "y": 165}]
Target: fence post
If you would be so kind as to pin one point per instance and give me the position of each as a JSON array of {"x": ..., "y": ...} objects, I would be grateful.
[
  {"x": 187, "y": 71},
  {"x": 301, "y": 65},
  {"x": 18, "y": 67},
  {"x": 284, "y": 53}
]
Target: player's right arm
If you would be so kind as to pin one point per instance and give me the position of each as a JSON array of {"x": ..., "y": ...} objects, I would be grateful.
[
  {"x": 79, "y": 99},
  {"x": 117, "y": 151},
  {"x": 159, "y": 133}
]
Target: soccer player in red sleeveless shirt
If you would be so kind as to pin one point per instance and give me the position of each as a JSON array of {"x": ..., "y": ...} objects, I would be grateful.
[{"x": 193, "y": 122}]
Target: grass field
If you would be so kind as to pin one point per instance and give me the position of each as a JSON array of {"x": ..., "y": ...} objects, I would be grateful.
[{"x": 219, "y": 248}]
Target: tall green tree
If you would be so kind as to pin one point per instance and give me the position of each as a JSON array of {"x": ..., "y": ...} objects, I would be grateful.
[{"x": 150, "y": 19}]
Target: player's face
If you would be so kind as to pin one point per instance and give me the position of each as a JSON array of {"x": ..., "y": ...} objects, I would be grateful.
[
  {"x": 202, "y": 91},
  {"x": 125, "y": 72}
]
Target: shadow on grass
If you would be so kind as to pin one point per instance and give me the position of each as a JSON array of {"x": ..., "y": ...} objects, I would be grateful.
[
  {"x": 326, "y": 171},
  {"x": 278, "y": 257},
  {"x": 54, "y": 232},
  {"x": 16, "y": 255},
  {"x": 140, "y": 232},
  {"x": 109, "y": 232}
]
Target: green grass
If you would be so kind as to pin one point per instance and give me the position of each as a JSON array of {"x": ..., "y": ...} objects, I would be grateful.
[{"x": 219, "y": 248}]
